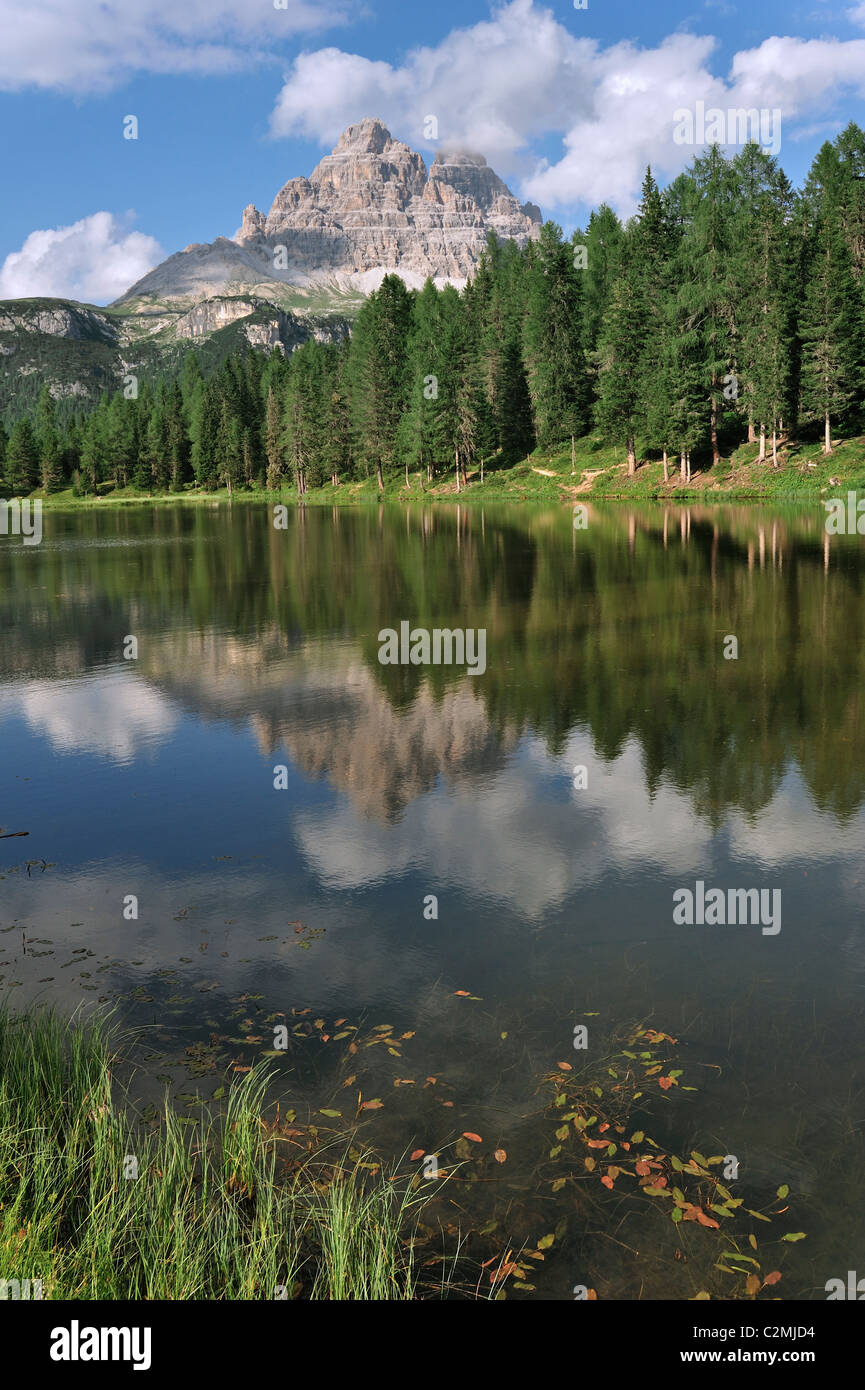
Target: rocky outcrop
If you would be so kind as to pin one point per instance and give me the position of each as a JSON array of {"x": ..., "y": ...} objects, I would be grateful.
[
  {"x": 370, "y": 207},
  {"x": 58, "y": 320}
]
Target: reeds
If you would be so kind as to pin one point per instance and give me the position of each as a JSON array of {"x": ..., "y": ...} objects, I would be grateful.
[{"x": 217, "y": 1210}]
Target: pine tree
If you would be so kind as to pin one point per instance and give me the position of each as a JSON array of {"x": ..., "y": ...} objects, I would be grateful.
[
  {"x": 273, "y": 440},
  {"x": 552, "y": 341},
  {"x": 831, "y": 331},
  {"x": 48, "y": 443},
  {"x": 22, "y": 462}
]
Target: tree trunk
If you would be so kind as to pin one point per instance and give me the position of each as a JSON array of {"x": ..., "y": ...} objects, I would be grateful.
[
  {"x": 573, "y": 460},
  {"x": 632, "y": 457},
  {"x": 683, "y": 476},
  {"x": 666, "y": 469},
  {"x": 774, "y": 447},
  {"x": 688, "y": 460},
  {"x": 406, "y": 475},
  {"x": 716, "y": 457},
  {"x": 379, "y": 477},
  {"x": 752, "y": 433},
  {"x": 762, "y": 453},
  {"x": 457, "y": 466},
  {"x": 827, "y": 447},
  {"x": 482, "y": 468}
]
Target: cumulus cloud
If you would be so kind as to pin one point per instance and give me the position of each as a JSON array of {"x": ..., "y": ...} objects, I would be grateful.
[
  {"x": 95, "y": 260},
  {"x": 91, "y": 45},
  {"x": 504, "y": 84},
  {"x": 114, "y": 717},
  {"x": 857, "y": 14}
]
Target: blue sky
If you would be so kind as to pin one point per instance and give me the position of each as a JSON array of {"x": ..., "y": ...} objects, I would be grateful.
[{"x": 233, "y": 97}]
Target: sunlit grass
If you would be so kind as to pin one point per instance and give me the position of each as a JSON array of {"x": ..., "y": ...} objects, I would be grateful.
[{"x": 215, "y": 1211}]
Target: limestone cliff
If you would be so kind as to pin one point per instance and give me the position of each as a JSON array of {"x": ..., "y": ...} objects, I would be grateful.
[{"x": 370, "y": 207}]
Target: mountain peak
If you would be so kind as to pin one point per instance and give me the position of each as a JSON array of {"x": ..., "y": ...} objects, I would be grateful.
[
  {"x": 368, "y": 209},
  {"x": 369, "y": 136}
]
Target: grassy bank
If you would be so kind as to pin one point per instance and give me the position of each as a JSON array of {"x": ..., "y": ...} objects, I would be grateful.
[
  {"x": 599, "y": 471},
  {"x": 225, "y": 1207}
]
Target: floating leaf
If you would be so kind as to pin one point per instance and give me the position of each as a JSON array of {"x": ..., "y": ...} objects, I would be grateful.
[
  {"x": 546, "y": 1241},
  {"x": 372, "y": 1105},
  {"x": 500, "y": 1156},
  {"x": 783, "y": 1191},
  {"x": 793, "y": 1235},
  {"x": 752, "y": 1284},
  {"x": 415, "y": 1154},
  {"x": 331, "y": 1114},
  {"x": 773, "y": 1278},
  {"x": 475, "y": 1138},
  {"x": 564, "y": 1066}
]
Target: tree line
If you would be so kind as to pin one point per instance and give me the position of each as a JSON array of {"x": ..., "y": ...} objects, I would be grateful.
[{"x": 730, "y": 306}]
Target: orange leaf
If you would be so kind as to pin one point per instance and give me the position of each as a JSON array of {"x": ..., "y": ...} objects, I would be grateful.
[
  {"x": 564, "y": 1066},
  {"x": 416, "y": 1153},
  {"x": 643, "y": 1168},
  {"x": 602, "y": 1128},
  {"x": 706, "y": 1220},
  {"x": 463, "y": 993},
  {"x": 607, "y": 1181},
  {"x": 752, "y": 1283},
  {"x": 665, "y": 1082},
  {"x": 500, "y": 1156},
  {"x": 773, "y": 1278},
  {"x": 371, "y": 1105},
  {"x": 475, "y": 1138},
  {"x": 590, "y": 1293},
  {"x": 599, "y": 1144}
]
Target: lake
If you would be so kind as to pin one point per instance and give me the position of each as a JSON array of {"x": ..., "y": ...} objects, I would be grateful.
[{"x": 254, "y": 822}]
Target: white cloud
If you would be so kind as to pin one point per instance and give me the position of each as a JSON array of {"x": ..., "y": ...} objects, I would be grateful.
[
  {"x": 92, "y": 45},
  {"x": 93, "y": 260},
  {"x": 857, "y": 14},
  {"x": 113, "y": 717},
  {"x": 502, "y": 85}
]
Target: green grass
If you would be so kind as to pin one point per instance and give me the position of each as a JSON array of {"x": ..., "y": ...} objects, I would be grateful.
[
  {"x": 804, "y": 473},
  {"x": 220, "y": 1209}
]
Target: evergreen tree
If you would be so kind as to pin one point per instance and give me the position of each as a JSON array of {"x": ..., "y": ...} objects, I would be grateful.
[
  {"x": 552, "y": 341},
  {"x": 22, "y": 460},
  {"x": 48, "y": 443}
]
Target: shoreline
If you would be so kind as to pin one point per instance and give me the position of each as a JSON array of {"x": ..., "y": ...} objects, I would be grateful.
[{"x": 806, "y": 475}]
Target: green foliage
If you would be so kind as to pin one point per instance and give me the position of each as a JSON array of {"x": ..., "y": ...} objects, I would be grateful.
[{"x": 728, "y": 307}]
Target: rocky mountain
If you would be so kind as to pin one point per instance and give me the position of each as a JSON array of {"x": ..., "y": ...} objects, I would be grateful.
[{"x": 370, "y": 207}]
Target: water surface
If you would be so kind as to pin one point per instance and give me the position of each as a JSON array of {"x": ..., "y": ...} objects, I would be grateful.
[{"x": 258, "y": 649}]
